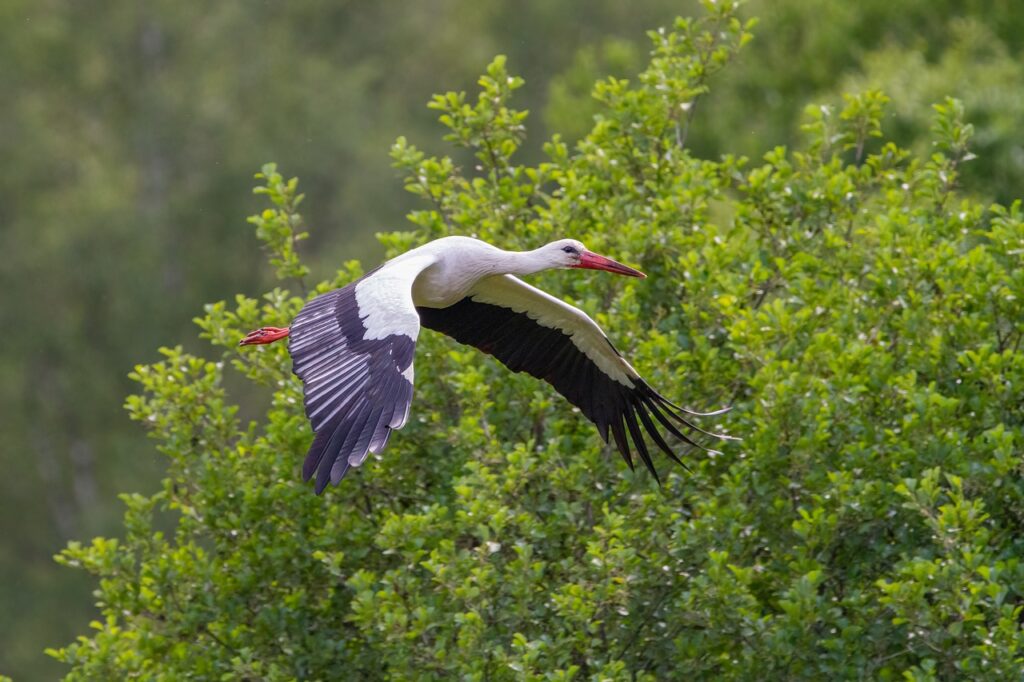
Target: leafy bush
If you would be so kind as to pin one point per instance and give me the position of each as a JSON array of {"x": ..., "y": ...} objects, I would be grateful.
[{"x": 861, "y": 315}]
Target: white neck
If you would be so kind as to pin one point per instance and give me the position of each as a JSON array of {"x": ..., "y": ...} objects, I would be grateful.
[
  {"x": 519, "y": 262},
  {"x": 462, "y": 262}
]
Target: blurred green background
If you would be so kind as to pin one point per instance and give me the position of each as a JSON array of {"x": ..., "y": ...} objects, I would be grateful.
[{"x": 129, "y": 134}]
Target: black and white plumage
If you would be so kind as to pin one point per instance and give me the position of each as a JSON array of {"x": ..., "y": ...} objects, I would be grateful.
[{"x": 353, "y": 348}]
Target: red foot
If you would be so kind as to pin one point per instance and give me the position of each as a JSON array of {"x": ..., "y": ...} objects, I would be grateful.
[{"x": 264, "y": 335}]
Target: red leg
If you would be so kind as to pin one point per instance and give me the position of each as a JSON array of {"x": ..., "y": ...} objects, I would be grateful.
[{"x": 264, "y": 335}]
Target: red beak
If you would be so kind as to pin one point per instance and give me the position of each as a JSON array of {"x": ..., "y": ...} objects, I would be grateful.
[{"x": 593, "y": 261}]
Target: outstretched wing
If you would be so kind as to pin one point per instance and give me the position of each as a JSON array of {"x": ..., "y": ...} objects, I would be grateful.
[
  {"x": 531, "y": 331},
  {"x": 353, "y": 349}
]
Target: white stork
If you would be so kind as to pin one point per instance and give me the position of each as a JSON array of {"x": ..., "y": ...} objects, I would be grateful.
[{"x": 353, "y": 348}]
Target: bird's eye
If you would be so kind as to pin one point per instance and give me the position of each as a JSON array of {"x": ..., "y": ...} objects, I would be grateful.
[{"x": 569, "y": 249}]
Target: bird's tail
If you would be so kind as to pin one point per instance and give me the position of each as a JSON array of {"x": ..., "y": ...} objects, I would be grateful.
[{"x": 264, "y": 335}]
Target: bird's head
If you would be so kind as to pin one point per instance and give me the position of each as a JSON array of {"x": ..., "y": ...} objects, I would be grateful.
[{"x": 569, "y": 253}]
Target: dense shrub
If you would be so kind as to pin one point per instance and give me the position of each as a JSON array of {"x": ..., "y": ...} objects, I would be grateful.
[{"x": 861, "y": 315}]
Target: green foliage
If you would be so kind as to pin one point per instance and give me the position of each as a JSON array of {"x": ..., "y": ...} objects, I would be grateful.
[
  {"x": 280, "y": 229},
  {"x": 863, "y": 317},
  {"x": 856, "y": 123},
  {"x": 139, "y": 124},
  {"x": 983, "y": 73}
]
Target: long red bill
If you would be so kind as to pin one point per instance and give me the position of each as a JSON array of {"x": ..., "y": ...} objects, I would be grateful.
[{"x": 593, "y": 261}]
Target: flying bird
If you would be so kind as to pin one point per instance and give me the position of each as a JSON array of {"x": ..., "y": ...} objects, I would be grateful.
[{"x": 353, "y": 348}]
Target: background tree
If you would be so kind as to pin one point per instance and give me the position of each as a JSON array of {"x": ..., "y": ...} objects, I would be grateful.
[
  {"x": 861, "y": 313},
  {"x": 132, "y": 134}
]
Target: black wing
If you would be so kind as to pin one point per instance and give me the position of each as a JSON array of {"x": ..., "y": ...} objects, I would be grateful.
[
  {"x": 530, "y": 331},
  {"x": 357, "y": 388}
]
